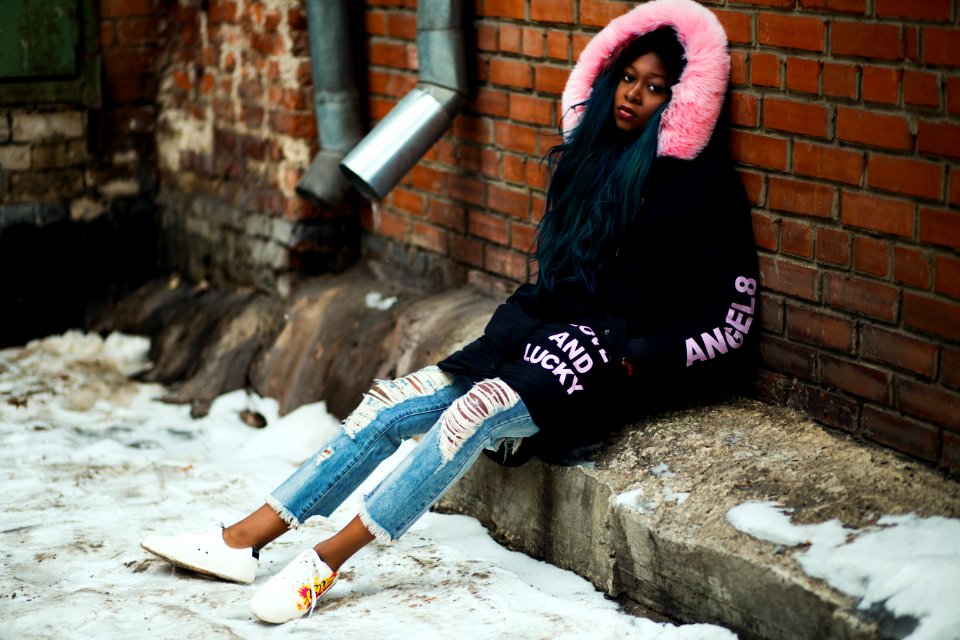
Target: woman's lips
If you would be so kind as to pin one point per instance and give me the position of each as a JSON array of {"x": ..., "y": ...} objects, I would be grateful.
[{"x": 626, "y": 113}]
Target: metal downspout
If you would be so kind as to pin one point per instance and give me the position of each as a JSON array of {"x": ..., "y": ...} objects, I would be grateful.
[
  {"x": 398, "y": 142},
  {"x": 336, "y": 100}
]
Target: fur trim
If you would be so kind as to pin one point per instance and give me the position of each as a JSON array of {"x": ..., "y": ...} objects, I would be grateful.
[{"x": 689, "y": 120}]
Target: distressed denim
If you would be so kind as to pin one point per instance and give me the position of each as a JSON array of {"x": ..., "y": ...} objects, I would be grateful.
[{"x": 459, "y": 417}]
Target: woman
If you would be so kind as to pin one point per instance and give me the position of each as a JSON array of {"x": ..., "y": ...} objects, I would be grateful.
[{"x": 647, "y": 288}]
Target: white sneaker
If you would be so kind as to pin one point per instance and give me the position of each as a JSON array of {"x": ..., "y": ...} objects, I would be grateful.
[
  {"x": 295, "y": 590},
  {"x": 206, "y": 553}
]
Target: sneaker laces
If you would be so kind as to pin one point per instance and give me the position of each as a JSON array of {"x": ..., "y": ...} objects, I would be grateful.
[{"x": 311, "y": 572}]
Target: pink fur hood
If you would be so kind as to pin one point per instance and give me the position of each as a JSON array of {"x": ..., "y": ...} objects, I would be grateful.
[{"x": 689, "y": 120}]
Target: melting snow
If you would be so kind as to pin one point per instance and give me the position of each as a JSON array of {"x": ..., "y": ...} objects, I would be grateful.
[
  {"x": 375, "y": 300},
  {"x": 908, "y": 565},
  {"x": 90, "y": 462}
]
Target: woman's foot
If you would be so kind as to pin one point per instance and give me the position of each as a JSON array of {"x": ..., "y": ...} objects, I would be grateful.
[
  {"x": 294, "y": 591},
  {"x": 206, "y": 553}
]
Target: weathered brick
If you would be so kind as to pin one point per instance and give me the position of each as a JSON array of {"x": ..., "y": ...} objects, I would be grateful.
[
  {"x": 796, "y": 239},
  {"x": 551, "y": 10},
  {"x": 876, "y": 129},
  {"x": 739, "y": 68},
  {"x": 930, "y": 402},
  {"x": 124, "y": 8},
  {"x": 881, "y": 84},
  {"x": 795, "y": 117},
  {"x": 409, "y": 201},
  {"x": 515, "y": 137},
  {"x": 759, "y": 150},
  {"x": 467, "y": 250},
  {"x": 830, "y": 163},
  {"x": 898, "y": 349},
  {"x": 860, "y": 380},
  {"x": 803, "y": 75},
  {"x": 788, "y": 277},
  {"x": 598, "y": 13},
  {"x": 832, "y": 409},
  {"x": 489, "y": 227},
  {"x": 512, "y": 73},
  {"x": 515, "y": 203},
  {"x": 877, "y": 214},
  {"x": 800, "y": 196},
  {"x": 511, "y": 38},
  {"x": 429, "y": 237},
  {"x": 765, "y": 70},
  {"x": 911, "y": 267},
  {"x": 950, "y": 454},
  {"x": 447, "y": 215},
  {"x": 833, "y": 246},
  {"x": 845, "y": 6},
  {"x": 871, "y": 256},
  {"x": 901, "y": 433},
  {"x": 15, "y": 157},
  {"x": 867, "y": 297},
  {"x": 932, "y": 315},
  {"x": 737, "y": 24},
  {"x": 531, "y": 109},
  {"x": 905, "y": 175},
  {"x": 951, "y": 367},
  {"x": 940, "y": 227},
  {"x": 941, "y": 46},
  {"x": 765, "y": 231},
  {"x": 822, "y": 329},
  {"x": 467, "y": 189},
  {"x": 558, "y": 45},
  {"x": 926, "y": 10},
  {"x": 787, "y": 357},
  {"x": 38, "y": 127},
  {"x": 550, "y": 78},
  {"x": 505, "y": 262},
  {"x": 791, "y": 32},
  {"x": 840, "y": 80},
  {"x": 771, "y": 312},
  {"x": 938, "y": 138},
  {"x": 744, "y": 110},
  {"x": 505, "y": 8},
  {"x": 866, "y": 40},
  {"x": 921, "y": 88}
]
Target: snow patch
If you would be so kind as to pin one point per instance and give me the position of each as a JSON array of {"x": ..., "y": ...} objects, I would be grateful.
[
  {"x": 909, "y": 566},
  {"x": 375, "y": 300}
]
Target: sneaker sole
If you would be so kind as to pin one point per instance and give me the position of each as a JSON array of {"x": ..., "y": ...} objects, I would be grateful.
[{"x": 197, "y": 569}]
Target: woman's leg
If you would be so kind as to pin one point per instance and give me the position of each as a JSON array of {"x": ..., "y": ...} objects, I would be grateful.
[{"x": 389, "y": 413}]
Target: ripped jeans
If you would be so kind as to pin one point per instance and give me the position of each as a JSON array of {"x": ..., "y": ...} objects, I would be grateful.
[{"x": 459, "y": 417}]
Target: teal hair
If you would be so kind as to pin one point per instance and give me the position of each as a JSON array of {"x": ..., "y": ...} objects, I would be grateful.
[{"x": 597, "y": 179}]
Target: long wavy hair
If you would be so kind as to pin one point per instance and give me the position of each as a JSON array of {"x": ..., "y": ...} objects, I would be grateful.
[{"x": 598, "y": 174}]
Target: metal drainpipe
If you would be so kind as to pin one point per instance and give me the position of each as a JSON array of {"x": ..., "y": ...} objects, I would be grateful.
[
  {"x": 336, "y": 100},
  {"x": 395, "y": 145}
]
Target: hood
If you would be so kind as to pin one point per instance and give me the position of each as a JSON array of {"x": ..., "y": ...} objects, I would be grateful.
[{"x": 690, "y": 117}]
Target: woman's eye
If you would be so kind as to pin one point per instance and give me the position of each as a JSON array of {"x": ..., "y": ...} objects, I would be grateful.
[
  {"x": 627, "y": 78},
  {"x": 655, "y": 88}
]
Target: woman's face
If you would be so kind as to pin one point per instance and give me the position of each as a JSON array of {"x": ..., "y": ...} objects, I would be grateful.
[{"x": 642, "y": 88}]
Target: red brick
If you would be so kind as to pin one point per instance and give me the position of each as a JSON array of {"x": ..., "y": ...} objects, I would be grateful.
[
  {"x": 489, "y": 227},
  {"x": 845, "y": 6},
  {"x": 771, "y": 312},
  {"x": 759, "y": 150},
  {"x": 765, "y": 70},
  {"x": 795, "y": 117},
  {"x": 955, "y": 187},
  {"x": 296, "y": 125},
  {"x": 832, "y": 409},
  {"x": 796, "y": 239},
  {"x": 551, "y": 10},
  {"x": 815, "y": 327},
  {"x": 580, "y": 42},
  {"x": 860, "y": 380},
  {"x": 840, "y": 80},
  {"x": 941, "y": 46},
  {"x": 392, "y": 225},
  {"x": 465, "y": 188},
  {"x": 791, "y": 32},
  {"x": 880, "y": 130},
  {"x": 753, "y": 183},
  {"x": 505, "y": 8},
  {"x": 387, "y": 54},
  {"x": 530, "y": 109},
  {"x": 953, "y": 95},
  {"x": 765, "y": 231},
  {"x": 402, "y": 25},
  {"x": 866, "y": 297},
  {"x": 558, "y": 45},
  {"x": 866, "y": 40},
  {"x": 522, "y": 236},
  {"x": 800, "y": 196},
  {"x": 490, "y": 102},
  {"x": 447, "y": 215},
  {"x": 939, "y": 139},
  {"x": 550, "y": 79},
  {"x": 899, "y": 350},
  {"x": 129, "y": 74},
  {"x": 737, "y": 24},
  {"x": 428, "y": 178},
  {"x": 921, "y": 88},
  {"x": 803, "y": 75},
  {"x": 482, "y": 160},
  {"x": 912, "y": 38},
  {"x": 951, "y": 367},
  {"x": 876, "y": 213},
  {"x": 108, "y": 33},
  {"x": 931, "y": 403},
  {"x": 940, "y": 227},
  {"x": 512, "y": 73},
  {"x": 514, "y": 168},
  {"x": 473, "y": 129},
  {"x": 598, "y": 13},
  {"x": 911, "y": 267},
  {"x": 881, "y": 84},
  {"x": 429, "y": 237},
  {"x": 510, "y": 201},
  {"x": 506, "y": 263},
  {"x": 901, "y": 433},
  {"x": 926, "y": 10},
  {"x": 515, "y": 137},
  {"x": 788, "y": 277},
  {"x": 871, "y": 256},
  {"x": 408, "y": 201},
  {"x": 780, "y": 4},
  {"x": 486, "y": 35},
  {"x": 933, "y": 315},
  {"x": 903, "y": 175},
  {"x": 738, "y": 68},
  {"x": 536, "y": 175},
  {"x": 831, "y": 163},
  {"x": 947, "y": 281},
  {"x": 125, "y": 8},
  {"x": 833, "y": 246},
  {"x": 744, "y": 110},
  {"x": 787, "y": 357},
  {"x": 468, "y": 250},
  {"x": 511, "y": 38},
  {"x": 950, "y": 452},
  {"x": 138, "y": 30}
]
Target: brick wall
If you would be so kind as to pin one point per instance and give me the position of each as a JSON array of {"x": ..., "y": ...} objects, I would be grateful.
[
  {"x": 236, "y": 133},
  {"x": 848, "y": 139}
]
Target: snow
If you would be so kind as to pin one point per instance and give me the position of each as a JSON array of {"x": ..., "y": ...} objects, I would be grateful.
[
  {"x": 90, "y": 462},
  {"x": 908, "y": 565},
  {"x": 375, "y": 300}
]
